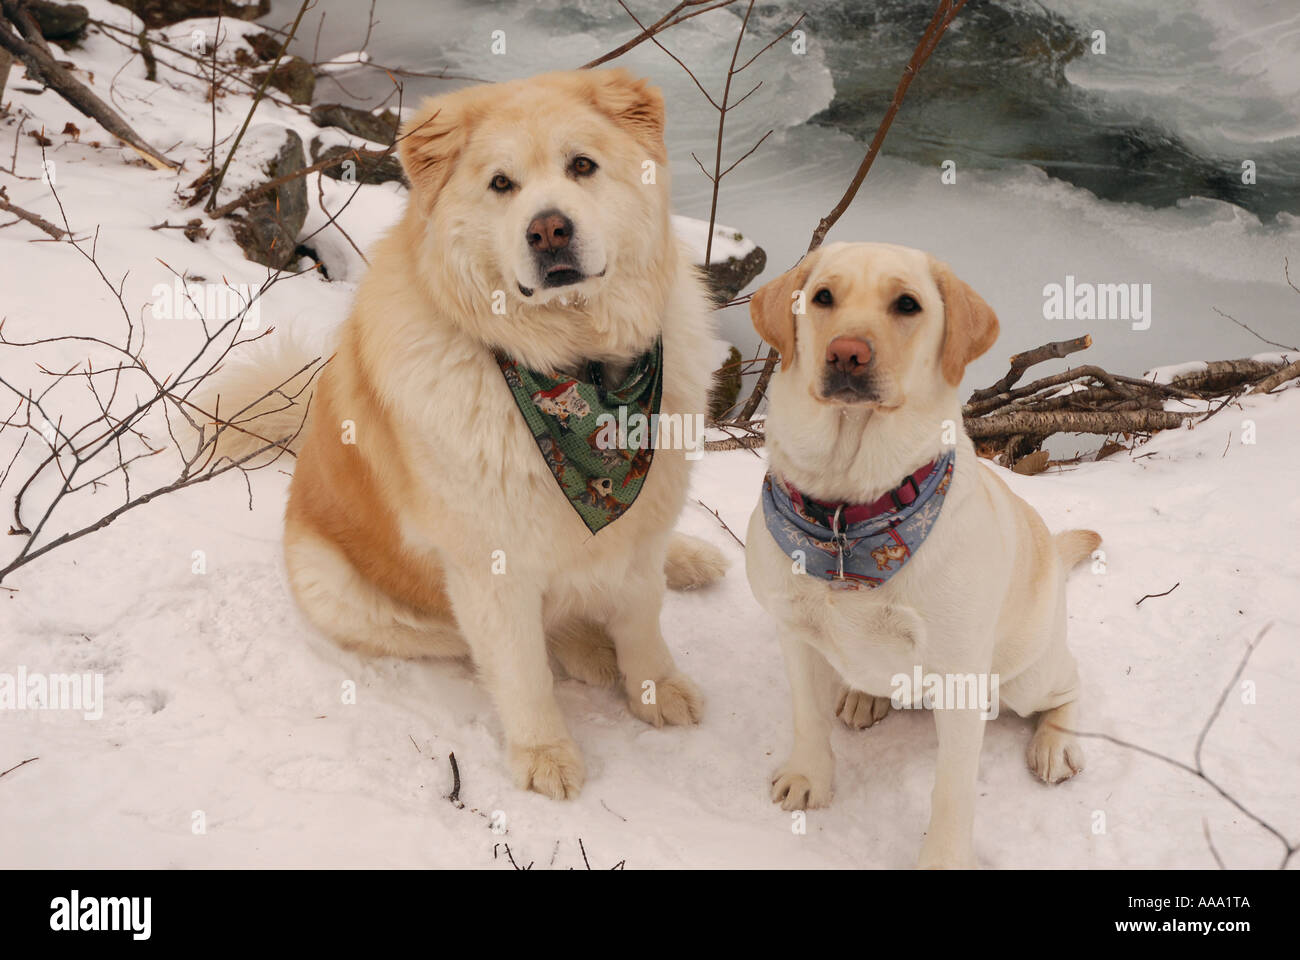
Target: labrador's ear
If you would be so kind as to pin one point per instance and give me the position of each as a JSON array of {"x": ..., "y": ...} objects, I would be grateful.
[
  {"x": 970, "y": 325},
  {"x": 772, "y": 308},
  {"x": 632, "y": 103},
  {"x": 430, "y": 141}
]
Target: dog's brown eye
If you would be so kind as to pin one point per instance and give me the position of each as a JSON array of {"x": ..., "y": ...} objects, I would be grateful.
[
  {"x": 583, "y": 166},
  {"x": 823, "y": 296},
  {"x": 501, "y": 183},
  {"x": 907, "y": 304}
]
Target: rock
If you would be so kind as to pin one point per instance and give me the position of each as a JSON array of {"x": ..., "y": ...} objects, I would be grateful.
[
  {"x": 268, "y": 228},
  {"x": 163, "y": 13},
  {"x": 60, "y": 22},
  {"x": 726, "y": 278},
  {"x": 366, "y": 169},
  {"x": 381, "y": 128},
  {"x": 295, "y": 77},
  {"x": 265, "y": 45},
  {"x": 734, "y": 259},
  {"x": 726, "y": 385}
]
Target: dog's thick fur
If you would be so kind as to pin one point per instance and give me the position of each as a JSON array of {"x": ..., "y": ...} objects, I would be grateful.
[
  {"x": 985, "y": 592},
  {"x": 440, "y": 531}
]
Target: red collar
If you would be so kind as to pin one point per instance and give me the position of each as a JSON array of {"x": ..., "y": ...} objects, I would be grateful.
[{"x": 893, "y": 501}]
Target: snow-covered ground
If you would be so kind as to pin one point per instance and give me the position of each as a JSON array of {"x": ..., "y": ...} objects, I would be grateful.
[{"x": 223, "y": 709}]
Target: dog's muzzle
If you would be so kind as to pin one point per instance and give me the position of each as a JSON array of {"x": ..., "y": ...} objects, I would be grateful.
[
  {"x": 848, "y": 374},
  {"x": 550, "y": 237}
]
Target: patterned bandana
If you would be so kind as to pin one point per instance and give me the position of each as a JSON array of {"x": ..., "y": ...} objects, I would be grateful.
[
  {"x": 862, "y": 554},
  {"x": 597, "y": 447}
]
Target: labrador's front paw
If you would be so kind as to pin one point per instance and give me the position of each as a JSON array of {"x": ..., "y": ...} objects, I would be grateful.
[
  {"x": 554, "y": 770},
  {"x": 795, "y": 791},
  {"x": 804, "y": 781},
  {"x": 673, "y": 700}
]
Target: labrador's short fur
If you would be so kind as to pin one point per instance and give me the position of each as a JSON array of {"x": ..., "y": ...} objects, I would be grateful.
[
  {"x": 984, "y": 593},
  {"x": 440, "y": 531}
]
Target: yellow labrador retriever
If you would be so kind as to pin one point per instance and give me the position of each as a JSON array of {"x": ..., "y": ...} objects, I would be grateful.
[
  {"x": 454, "y": 494},
  {"x": 884, "y": 548}
]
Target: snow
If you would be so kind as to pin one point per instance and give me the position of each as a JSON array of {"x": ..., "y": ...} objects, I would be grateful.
[
  {"x": 344, "y": 62},
  {"x": 222, "y": 707},
  {"x": 728, "y": 242}
]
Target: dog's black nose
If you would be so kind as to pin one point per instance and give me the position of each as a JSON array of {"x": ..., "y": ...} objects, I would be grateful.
[{"x": 550, "y": 230}]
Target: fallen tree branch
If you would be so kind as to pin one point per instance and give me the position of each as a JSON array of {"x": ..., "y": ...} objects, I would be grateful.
[
  {"x": 32, "y": 218},
  {"x": 1289, "y": 372},
  {"x": 1021, "y": 362},
  {"x": 1224, "y": 374},
  {"x": 49, "y": 72},
  {"x": 1073, "y": 421}
]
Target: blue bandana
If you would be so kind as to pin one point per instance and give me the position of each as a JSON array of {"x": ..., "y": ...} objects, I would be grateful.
[{"x": 856, "y": 555}]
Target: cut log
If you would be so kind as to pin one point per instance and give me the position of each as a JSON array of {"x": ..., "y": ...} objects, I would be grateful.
[
  {"x": 1074, "y": 421},
  {"x": 1225, "y": 374},
  {"x": 1289, "y": 372}
]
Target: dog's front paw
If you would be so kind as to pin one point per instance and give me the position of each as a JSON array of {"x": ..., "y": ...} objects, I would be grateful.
[
  {"x": 552, "y": 769},
  {"x": 858, "y": 710},
  {"x": 798, "y": 790},
  {"x": 673, "y": 700},
  {"x": 1053, "y": 755}
]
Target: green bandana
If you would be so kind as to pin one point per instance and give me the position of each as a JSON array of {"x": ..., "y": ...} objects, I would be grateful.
[{"x": 597, "y": 447}]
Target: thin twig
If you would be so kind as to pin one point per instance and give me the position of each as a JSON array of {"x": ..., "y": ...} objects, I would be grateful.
[
  {"x": 17, "y": 765},
  {"x": 257, "y": 98},
  {"x": 1153, "y": 596},
  {"x": 721, "y": 521}
]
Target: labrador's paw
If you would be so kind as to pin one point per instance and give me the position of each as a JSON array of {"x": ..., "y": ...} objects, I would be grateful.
[
  {"x": 858, "y": 710},
  {"x": 674, "y": 700},
  {"x": 804, "y": 780},
  {"x": 800, "y": 791},
  {"x": 1053, "y": 755},
  {"x": 554, "y": 770}
]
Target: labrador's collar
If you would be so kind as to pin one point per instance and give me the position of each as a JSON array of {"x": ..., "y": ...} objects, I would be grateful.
[
  {"x": 903, "y": 495},
  {"x": 856, "y": 545}
]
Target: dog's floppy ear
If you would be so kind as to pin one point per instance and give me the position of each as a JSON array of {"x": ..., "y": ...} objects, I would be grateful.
[
  {"x": 429, "y": 143},
  {"x": 772, "y": 308},
  {"x": 970, "y": 327},
  {"x": 631, "y": 103}
]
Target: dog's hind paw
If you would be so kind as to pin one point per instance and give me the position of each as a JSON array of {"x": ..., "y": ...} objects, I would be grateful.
[
  {"x": 692, "y": 563},
  {"x": 1053, "y": 755},
  {"x": 858, "y": 710},
  {"x": 552, "y": 769}
]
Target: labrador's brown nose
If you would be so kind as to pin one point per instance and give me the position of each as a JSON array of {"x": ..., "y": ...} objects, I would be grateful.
[
  {"x": 549, "y": 231},
  {"x": 848, "y": 354}
]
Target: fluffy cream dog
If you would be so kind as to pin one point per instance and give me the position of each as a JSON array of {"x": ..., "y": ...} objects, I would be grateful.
[
  {"x": 423, "y": 520},
  {"x": 874, "y": 339}
]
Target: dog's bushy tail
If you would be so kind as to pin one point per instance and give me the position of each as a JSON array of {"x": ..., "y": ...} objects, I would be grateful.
[
  {"x": 1076, "y": 546},
  {"x": 264, "y": 396},
  {"x": 693, "y": 563}
]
